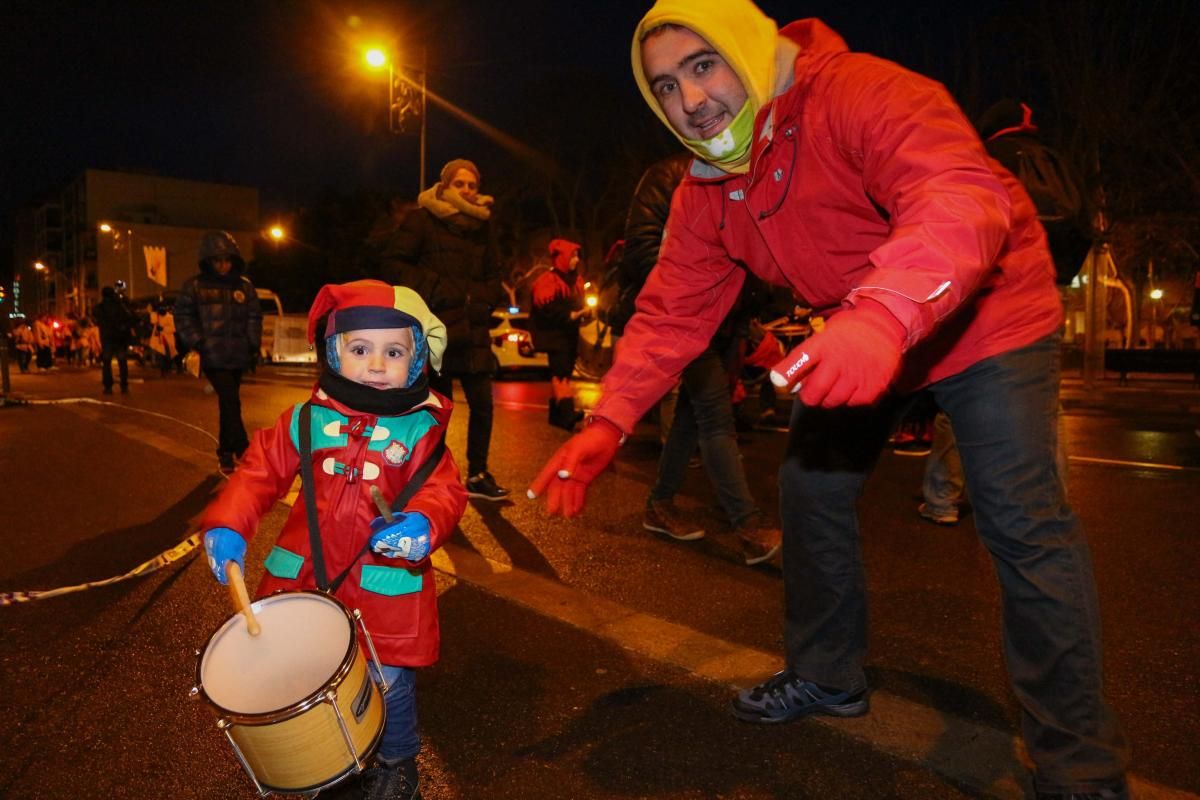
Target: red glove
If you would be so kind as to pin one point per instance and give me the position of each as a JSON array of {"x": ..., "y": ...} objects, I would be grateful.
[
  {"x": 850, "y": 363},
  {"x": 566, "y": 476}
]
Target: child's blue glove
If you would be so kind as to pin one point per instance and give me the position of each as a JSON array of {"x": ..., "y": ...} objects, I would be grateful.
[
  {"x": 405, "y": 537},
  {"x": 224, "y": 545}
]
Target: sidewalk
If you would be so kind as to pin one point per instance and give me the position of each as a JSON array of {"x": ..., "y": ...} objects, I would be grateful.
[{"x": 1157, "y": 393}]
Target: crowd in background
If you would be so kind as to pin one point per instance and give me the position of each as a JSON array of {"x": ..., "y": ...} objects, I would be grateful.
[{"x": 45, "y": 342}]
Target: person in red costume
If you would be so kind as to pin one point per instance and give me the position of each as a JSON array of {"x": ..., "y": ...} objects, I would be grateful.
[
  {"x": 558, "y": 309},
  {"x": 862, "y": 187},
  {"x": 373, "y": 424}
]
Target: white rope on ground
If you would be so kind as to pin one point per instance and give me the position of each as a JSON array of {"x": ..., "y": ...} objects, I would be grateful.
[
  {"x": 177, "y": 552},
  {"x": 71, "y": 400},
  {"x": 161, "y": 560}
]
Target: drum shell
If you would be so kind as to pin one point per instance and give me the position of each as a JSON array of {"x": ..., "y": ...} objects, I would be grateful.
[{"x": 301, "y": 747}]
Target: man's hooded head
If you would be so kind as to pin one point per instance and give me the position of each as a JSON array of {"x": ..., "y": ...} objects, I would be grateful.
[{"x": 745, "y": 39}]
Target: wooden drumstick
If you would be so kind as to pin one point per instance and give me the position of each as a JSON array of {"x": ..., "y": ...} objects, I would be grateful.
[
  {"x": 241, "y": 599},
  {"x": 382, "y": 505}
]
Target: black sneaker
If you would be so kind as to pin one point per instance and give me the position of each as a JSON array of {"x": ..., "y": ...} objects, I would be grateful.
[
  {"x": 484, "y": 487},
  {"x": 396, "y": 782},
  {"x": 225, "y": 463},
  {"x": 784, "y": 697}
]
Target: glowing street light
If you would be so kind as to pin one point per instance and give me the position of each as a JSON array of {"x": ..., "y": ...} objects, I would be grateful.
[
  {"x": 39, "y": 266},
  {"x": 277, "y": 233},
  {"x": 1156, "y": 294},
  {"x": 104, "y": 227},
  {"x": 402, "y": 97},
  {"x": 376, "y": 58}
]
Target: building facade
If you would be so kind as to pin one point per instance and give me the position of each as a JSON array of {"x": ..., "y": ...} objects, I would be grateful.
[{"x": 109, "y": 227}]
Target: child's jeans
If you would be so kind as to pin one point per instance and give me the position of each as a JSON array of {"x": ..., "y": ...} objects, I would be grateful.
[{"x": 400, "y": 739}]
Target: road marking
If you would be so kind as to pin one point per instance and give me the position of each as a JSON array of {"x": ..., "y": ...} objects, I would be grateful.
[
  {"x": 1116, "y": 462},
  {"x": 975, "y": 756}
]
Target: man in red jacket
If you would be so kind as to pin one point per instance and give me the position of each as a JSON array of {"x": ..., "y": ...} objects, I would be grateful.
[{"x": 861, "y": 186}]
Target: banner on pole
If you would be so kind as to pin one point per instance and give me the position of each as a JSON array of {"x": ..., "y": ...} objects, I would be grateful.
[{"x": 156, "y": 264}]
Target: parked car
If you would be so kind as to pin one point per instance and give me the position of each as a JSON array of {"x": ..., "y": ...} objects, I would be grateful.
[
  {"x": 512, "y": 346},
  {"x": 285, "y": 336}
]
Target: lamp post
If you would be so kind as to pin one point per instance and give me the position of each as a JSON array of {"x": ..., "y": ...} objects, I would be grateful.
[
  {"x": 106, "y": 228},
  {"x": 44, "y": 271},
  {"x": 403, "y": 98}
]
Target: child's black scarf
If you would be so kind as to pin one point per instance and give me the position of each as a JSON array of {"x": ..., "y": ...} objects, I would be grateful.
[{"x": 369, "y": 400}]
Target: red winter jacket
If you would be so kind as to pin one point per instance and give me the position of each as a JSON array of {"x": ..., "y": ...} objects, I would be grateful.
[
  {"x": 865, "y": 180},
  {"x": 351, "y": 453}
]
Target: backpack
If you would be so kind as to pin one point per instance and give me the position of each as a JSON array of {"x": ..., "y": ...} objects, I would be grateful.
[{"x": 1061, "y": 205}]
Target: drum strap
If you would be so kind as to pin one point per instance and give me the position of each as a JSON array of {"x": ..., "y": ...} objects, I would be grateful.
[{"x": 310, "y": 499}]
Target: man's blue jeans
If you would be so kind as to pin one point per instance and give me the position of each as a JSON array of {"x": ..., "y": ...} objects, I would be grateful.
[
  {"x": 704, "y": 416},
  {"x": 1003, "y": 410},
  {"x": 400, "y": 737}
]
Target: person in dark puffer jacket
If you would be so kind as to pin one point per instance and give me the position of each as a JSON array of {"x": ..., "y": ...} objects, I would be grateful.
[
  {"x": 218, "y": 315},
  {"x": 443, "y": 250}
]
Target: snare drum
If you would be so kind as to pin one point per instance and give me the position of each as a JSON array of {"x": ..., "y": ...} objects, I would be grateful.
[{"x": 297, "y": 702}]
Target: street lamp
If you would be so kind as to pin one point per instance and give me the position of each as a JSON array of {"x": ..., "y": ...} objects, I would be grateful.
[
  {"x": 106, "y": 228},
  {"x": 44, "y": 271},
  {"x": 403, "y": 98}
]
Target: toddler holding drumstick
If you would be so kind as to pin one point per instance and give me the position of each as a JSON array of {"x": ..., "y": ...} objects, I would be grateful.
[{"x": 372, "y": 426}]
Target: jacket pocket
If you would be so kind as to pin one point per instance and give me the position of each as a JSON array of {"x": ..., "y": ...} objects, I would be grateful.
[
  {"x": 390, "y": 581},
  {"x": 283, "y": 563}
]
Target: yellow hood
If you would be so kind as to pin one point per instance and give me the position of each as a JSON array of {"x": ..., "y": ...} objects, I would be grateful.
[{"x": 743, "y": 35}]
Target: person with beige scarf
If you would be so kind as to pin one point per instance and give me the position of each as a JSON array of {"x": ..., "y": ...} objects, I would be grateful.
[{"x": 443, "y": 249}]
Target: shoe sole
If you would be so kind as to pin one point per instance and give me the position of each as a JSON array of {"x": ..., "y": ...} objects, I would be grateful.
[
  {"x": 945, "y": 523},
  {"x": 856, "y": 709},
  {"x": 479, "y": 496},
  {"x": 687, "y": 537},
  {"x": 751, "y": 561}
]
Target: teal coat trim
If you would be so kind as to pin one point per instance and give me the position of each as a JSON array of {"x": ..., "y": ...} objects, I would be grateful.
[
  {"x": 391, "y": 581},
  {"x": 407, "y": 429},
  {"x": 283, "y": 563}
]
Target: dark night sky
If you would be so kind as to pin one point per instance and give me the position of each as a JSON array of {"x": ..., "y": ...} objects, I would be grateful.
[{"x": 271, "y": 94}]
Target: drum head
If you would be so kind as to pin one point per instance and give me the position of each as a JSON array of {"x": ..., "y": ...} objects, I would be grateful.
[{"x": 305, "y": 639}]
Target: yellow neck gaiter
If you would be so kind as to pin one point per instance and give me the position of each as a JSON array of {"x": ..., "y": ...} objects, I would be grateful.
[{"x": 745, "y": 38}]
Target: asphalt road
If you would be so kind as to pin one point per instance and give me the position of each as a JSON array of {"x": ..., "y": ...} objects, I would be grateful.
[{"x": 583, "y": 658}]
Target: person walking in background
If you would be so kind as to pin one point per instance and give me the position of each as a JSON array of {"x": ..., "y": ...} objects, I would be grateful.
[
  {"x": 115, "y": 321},
  {"x": 558, "y": 308},
  {"x": 862, "y": 185},
  {"x": 943, "y": 485},
  {"x": 443, "y": 249},
  {"x": 702, "y": 416},
  {"x": 162, "y": 337},
  {"x": 23, "y": 339},
  {"x": 43, "y": 342},
  {"x": 218, "y": 315}
]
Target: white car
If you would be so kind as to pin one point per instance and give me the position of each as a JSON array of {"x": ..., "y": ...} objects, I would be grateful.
[
  {"x": 284, "y": 336},
  {"x": 512, "y": 346}
]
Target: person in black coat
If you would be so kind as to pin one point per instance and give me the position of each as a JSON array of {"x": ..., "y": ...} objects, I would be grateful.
[
  {"x": 704, "y": 415},
  {"x": 443, "y": 250},
  {"x": 218, "y": 315},
  {"x": 115, "y": 321}
]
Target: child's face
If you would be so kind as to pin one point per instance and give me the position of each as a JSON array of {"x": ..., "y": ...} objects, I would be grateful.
[{"x": 378, "y": 358}]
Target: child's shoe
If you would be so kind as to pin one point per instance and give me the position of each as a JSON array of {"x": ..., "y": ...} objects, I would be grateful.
[{"x": 397, "y": 781}]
